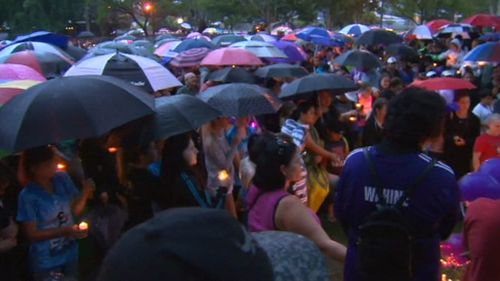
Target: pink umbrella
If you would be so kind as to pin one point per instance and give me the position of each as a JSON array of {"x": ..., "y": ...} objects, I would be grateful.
[
  {"x": 164, "y": 49},
  {"x": 197, "y": 35},
  {"x": 10, "y": 71},
  {"x": 191, "y": 57},
  {"x": 231, "y": 56}
]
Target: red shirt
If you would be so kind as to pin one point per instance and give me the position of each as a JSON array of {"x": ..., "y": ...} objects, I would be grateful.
[
  {"x": 488, "y": 146},
  {"x": 482, "y": 238}
]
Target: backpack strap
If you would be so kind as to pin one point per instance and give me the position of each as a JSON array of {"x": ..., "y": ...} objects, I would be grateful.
[
  {"x": 378, "y": 182},
  {"x": 408, "y": 192}
]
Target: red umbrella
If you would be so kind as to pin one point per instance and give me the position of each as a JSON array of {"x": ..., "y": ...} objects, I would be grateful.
[
  {"x": 434, "y": 25},
  {"x": 231, "y": 56},
  {"x": 443, "y": 83},
  {"x": 484, "y": 20},
  {"x": 10, "y": 89},
  {"x": 10, "y": 71},
  {"x": 289, "y": 37},
  {"x": 45, "y": 63}
]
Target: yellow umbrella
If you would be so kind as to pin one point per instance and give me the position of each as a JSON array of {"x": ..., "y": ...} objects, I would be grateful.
[{"x": 10, "y": 89}]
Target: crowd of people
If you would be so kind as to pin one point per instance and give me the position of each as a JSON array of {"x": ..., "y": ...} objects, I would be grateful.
[{"x": 324, "y": 159}]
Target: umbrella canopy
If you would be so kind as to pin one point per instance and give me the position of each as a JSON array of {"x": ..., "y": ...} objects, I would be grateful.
[
  {"x": 457, "y": 28},
  {"x": 114, "y": 46},
  {"x": 230, "y": 56},
  {"x": 138, "y": 71},
  {"x": 60, "y": 41},
  {"x": 231, "y": 75},
  {"x": 193, "y": 43},
  {"x": 293, "y": 52},
  {"x": 281, "y": 29},
  {"x": 163, "y": 37},
  {"x": 402, "y": 51},
  {"x": 76, "y": 52},
  {"x": 281, "y": 70},
  {"x": 492, "y": 36},
  {"x": 163, "y": 41},
  {"x": 260, "y": 49},
  {"x": 307, "y": 85},
  {"x": 443, "y": 83},
  {"x": 435, "y": 25},
  {"x": 354, "y": 30},
  {"x": 49, "y": 65},
  {"x": 85, "y": 35},
  {"x": 484, "y": 20},
  {"x": 228, "y": 39},
  {"x": 126, "y": 37},
  {"x": 191, "y": 57},
  {"x": 420, "y": 32},
  {"x": 489, "y": 52},
  {"x": 289, "y": 37},
  {"x": 358, "y": 59},
  {"x": 143, "y": 44},
  {"x": 34, "y": 46},
  {"x": 10, "y": 89},
  {"x": 240, "y": 100},
  {"x": 263, "y": 37},
  {"x": 70, "y": 108},
  {"x": 10, "y": 71},
  {"x": 478, "y": 185},
  {"x": 180, "y": 114},
  {"x": 306, "y": 33},
  {"x": 166, "y": 49},
  {"x": 378, "y": 36},
  {"x": 197, "y": 35}
]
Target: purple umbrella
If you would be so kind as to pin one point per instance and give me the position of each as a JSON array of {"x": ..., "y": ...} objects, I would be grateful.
[
  {"x": 191, "y": 57},
  {"x": 477, "y": 185},
  {"x": 491, "y": 167},
  {"x": 293, "y": 52}
]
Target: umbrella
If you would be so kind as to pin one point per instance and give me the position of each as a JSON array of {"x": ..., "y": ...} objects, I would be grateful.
[
  {"x": 306, "y": 33},
  {"x": 146, "y": 45},
  {"x": 377, "y": 37},
  {"x": 191, "y": 57},
  {"x": 354, "y": 30},
  {"x": 164, "y": 37},
  {"x": 85, "y": 35},
  {"x": 263, "y": 38},
  {"x": 186, "y": 25},
  {"x": 293, "y": 52},
  {"x": 457, "y": 28},
  {"x": 193, "y": 43},
  {"x": 230, "y": 56},
  {"x": 281, "y": 29},
  {"x": 181, "y": 113},
  {"x": 70, "y": 108},
  {"x": 75, "y": 52},
  {"x": 197, "y": 35},
  {"x": 113, "y": 47},
  {"x": 126, "y": 37},
  {"x": 358, "y": 59},
  {"x": 281, "y": 70},
  {"x": 260, "y": 49},
  {"x": 303, "y": 87},
  {"x": 231, "y": 75},
  {"x": 240, "y": 100},
  {"x": 210, "y": 30},
  {"x": 420, "y": 32},
  {"x": 138, "y": 71},
  {"x": 33, "y": 46},
  {"x": 489, "y": 52},
  {"x": 435, "y": 25},
  {"x": 443, "y": 83},
  {"x": 10, "y": 89},
  {"x": 289, "y": 37},
  {"x": 166, "y": 50},
  {"x": 228, "y": 39},
  {"x": 163, "y": 41},
  {"x": 60, "y": 41},
  {"x": 492, "y": 36},
  {"x": 48, "y": 64},
  {"x": 478, "y": 185},
  {"x": 484, "y": 20},
  {"x": 402, "y": 51},
  {"x": 10, "y": 71}
]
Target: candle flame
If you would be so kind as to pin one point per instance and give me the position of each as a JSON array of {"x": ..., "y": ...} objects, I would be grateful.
[
  {"x": 223, "y": 175},
  {"x": 83, "y": 226},
  {"x": 112, "y": 149},
  {"x": 61, "y": 166}
]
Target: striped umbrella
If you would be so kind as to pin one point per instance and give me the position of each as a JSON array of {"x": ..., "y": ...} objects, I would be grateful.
[
  {"x": 165, "y": 50},
  {"x": 420, "y": 32},
  {"x": 49, "y": 65},
  {"x": 354, "y": 30},
  {"x": 10, "y": 71},
  {"x": 487, "y": 52},
  {"x": 263, "y": 37},
  {"x": 229, "y": 57},
  {"x": 34, "y": 46},
  {"x": 455, "y": 28},
  {"x": 189, "y": 58},
  {"x": 435, "y": 25},
  {"x": 138, "y": 71},
  {"x": 10, "y": 89}
]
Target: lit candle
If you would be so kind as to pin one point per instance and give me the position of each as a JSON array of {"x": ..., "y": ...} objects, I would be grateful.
[
  {"x": 434, "y": 64},
  {"x": 61, "y": 166},
  {"x": 358, "y": 106},
  {"x": 83, "y": 226},
  {"x": 443, "y": 277},
  {"x": 223, "y": 175},
  {"x": 353, "y": 118},
  {"x": 112, "y": 149}
]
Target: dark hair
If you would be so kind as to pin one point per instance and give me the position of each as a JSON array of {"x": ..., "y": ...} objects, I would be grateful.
[
  {"x": 395, "y": 82},
  {"x": 269, "y": 153},
  {"x": 413, "y": 116},
  {"x": 302, "y": 108},
  {"x": 31, "y": 158},
  {"x": 172, "y": 160},
  {"x": 484, "y": 93},
  {"x": 459, "y": 95}
]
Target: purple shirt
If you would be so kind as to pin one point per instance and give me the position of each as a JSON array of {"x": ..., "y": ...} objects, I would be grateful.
[{"x": 432, "y": 211}]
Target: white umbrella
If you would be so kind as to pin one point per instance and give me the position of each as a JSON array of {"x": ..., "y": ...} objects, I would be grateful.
[
  {"x": 260, "y": 49},
  {"x": 420, "y": 32}
]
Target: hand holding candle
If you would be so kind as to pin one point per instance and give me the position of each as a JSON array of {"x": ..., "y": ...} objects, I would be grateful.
[
  {"x": 223, "y": 177},
  {"x": 83, "y": 226}
]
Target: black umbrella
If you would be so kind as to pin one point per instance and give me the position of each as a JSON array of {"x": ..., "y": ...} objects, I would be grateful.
[
  {"x": 231, "y": 75},
  {"x": 281, "y": 70},
  {"x": 85, "y": 34},
  {"x": 241, "y": 100},
  {"x": 378, "y": 36},
  {"x": 70, "y": 108},
  {"x": 227, "y": 39},
  {"x": 76, "y": 52},
  {"x": 181, "y": 113},
  {"x": 402, "y": 51},
  {"x": 306, "y": 86},
  {"x": 358, "y": 59}
]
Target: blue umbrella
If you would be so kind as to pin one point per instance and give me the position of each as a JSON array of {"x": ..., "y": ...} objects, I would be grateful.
[
  {"x": 60, "y": 41},
  {"x": 492, "y": 36},
  {"x": 489, "y": 52},
  {"x": 326, "y": 41},
  {"x": 293, "y": 52},
  {"x": 193, "y": 43},
  {"x": 306, "y": 33}
]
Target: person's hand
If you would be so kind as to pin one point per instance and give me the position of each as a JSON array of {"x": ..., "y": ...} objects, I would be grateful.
[
  {"x": 459, "y": 141},
  {"x": 77, "y": 233}
]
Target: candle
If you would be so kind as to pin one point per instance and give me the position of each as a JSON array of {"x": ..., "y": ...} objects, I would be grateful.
[
  {"x": 61, "y": 166},
  {"x": 358, "y": 106},
  {"x": 112, "y": 149},
  {"x": 352, "y": 118},
  {"x": 223, "y": 175},
  {"x": 83, "y": 226}
]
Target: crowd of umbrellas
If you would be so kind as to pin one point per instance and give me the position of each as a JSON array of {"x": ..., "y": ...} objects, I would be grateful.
[{"x": 51, "y": 91}]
